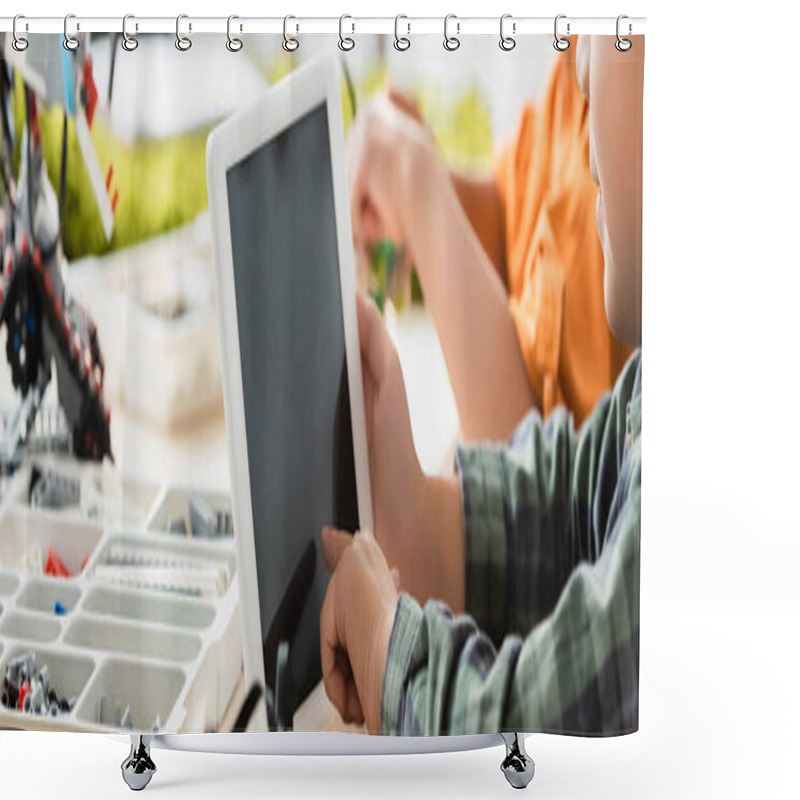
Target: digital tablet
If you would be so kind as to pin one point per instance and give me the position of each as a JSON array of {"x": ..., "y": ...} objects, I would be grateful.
[{"x": 294, "y": 407}]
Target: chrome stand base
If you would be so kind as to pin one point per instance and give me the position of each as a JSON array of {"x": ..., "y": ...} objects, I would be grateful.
[
  {"x": 138, "y": 768},
  {"x": 518, "y": 766}
]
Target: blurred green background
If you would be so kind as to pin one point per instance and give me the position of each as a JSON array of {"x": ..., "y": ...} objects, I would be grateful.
[{"x": 162, "y": 181}]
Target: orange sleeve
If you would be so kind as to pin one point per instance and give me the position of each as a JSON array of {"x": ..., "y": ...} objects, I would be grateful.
[
  {"x": 510, "y": 171},
  {"x": 554, "y": 261}
]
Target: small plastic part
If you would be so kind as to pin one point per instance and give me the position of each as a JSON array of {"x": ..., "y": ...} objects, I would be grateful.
[
  {"x": 54, "y": 566},
  {"x": 177, "y": 525}
]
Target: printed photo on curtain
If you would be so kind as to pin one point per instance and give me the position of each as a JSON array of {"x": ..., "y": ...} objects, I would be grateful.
[{"x": 321, "y": 383}]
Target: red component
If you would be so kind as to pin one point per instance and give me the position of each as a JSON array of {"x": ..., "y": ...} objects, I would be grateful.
[
  {"x": 98, "y": 379},
  {"x": 87, "y": 361},
  {"x": 34, "y": 117},
  {"x": 23, "y": 245},
  {"x": 23, "y": 690},
  {"x": 109, "y": 176},
  {"x": 48, "y": 283},
  {"x": 114, "y": 201},
  {"x": 54, "y": 566},
  {"x": 37, "y": 258},
  {"x": 9, "y": 265},
  {"x": 90, "y": 89},
  {"x": 83, "y": 563},
  {"x": 57, "y": 306},
  {"x": 1, "y": 292}
]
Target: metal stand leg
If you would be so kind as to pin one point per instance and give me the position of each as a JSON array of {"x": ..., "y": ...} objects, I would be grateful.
[
  {"x": 518, "y": 766},
  {"x": 138, "y": 768}
]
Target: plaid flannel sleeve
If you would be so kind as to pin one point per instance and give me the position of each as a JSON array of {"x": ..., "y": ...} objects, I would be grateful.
[
  {"x": 516, "y": 506},
  {"x": 552, "y": 527}
]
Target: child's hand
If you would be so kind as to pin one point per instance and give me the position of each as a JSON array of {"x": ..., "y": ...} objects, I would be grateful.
[
  {"x": 417, "y": 518},
  {"x": 356, "y": 625},
  {"x": 395, "y": 474},
  {"x": 386, "y": 148}
]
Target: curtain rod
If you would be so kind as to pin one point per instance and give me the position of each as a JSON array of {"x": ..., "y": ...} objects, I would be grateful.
[{"x": 462, "y": 26}]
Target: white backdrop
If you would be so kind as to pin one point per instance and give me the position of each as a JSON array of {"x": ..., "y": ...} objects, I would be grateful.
[{"x": 719, "y": 702}]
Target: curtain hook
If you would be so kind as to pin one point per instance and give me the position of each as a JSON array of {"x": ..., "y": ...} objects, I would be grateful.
[
  {"x": 507, "y": 42},
  {"x": 183, "y": 43},
  {"x": 290, "y": 43},
  {"x": 346, "y": 42},
  {"x": 129, "y": 43},
  {"x": 559, "y": 42},
  {"x": 233, "y": 44},
  {"x": 71, "y": 43},
  {"x": 401, "y": 43},
  {"x": 19, "y": 43},
  {"x": 451, "y": 43},
  {"x": 623, "y": 45}
]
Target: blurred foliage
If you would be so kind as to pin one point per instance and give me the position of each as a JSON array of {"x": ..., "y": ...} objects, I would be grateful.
[
  {"x": 162, "y": 182},
  {"x": 462, "y": 126}
]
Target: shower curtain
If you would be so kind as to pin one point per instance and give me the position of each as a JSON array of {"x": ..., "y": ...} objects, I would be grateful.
[{"x": 493, "y": 195}]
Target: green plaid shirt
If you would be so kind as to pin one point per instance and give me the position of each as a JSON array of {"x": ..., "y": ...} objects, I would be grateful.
[{"x": 550, "y": 641}]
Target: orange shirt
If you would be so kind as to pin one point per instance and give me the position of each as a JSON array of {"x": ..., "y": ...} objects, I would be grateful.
[{"x": 554, "y": 261}]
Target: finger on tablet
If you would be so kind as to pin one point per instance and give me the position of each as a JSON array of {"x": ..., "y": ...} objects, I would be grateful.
[
  {"x": 371, "y": 333},
  {"x": 334, "y": 543},
  {"x": 337, "y": 675},
  {"x": 329, "y": 645}
]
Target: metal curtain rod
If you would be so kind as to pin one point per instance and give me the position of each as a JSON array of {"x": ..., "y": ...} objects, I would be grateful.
[{"x": 462, "y": 26}]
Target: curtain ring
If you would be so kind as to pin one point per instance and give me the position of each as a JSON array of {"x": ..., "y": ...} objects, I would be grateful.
[
  {"x": 507, "y": 42},
  {"x": 129, "y": 43},
  {"x": 71, "y": 43},
  {"x": 623, "y": 45},
  {"x": 233, "y": 44},
  {"x": 183, "y": 43},
  {"x": 290, "y": 43},
  {"x": 451, "y": 43},
  {"x": 559, "y": 42},
  {"x": 19, "y": 43},
  {"x": 401, "y": 43},
  {"x": 346, "y": 42}
]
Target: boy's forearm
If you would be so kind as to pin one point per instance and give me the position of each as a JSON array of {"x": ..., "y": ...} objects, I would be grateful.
[
  {"x": 445, "y": 530},
  {"x": 469, "y": 304}
]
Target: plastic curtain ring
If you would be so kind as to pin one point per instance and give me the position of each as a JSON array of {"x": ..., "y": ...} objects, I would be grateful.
[
  {"x": 346, "y": 43},
  {"x": 71, "y": 43},
  {"x": 233, "y": 44},
  {"x": 401, "y": 43},
  {"x": 559, "y": 42},
  {"x": 451, "y": 43},
  {"x": 129, "y": 43},
  {"x": 19, "y": 43},
  {"x": 623, "y": 45},
  {"x": 290, "y": 43},
  {"x": 507, "y": 43},
  {"x": 183, "y": 43}
]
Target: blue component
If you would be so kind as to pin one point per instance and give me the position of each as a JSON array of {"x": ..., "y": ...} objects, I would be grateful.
[
  {"x": 69, "y": 82},
  {"x": 59, "y": 608},
  {"x": 16, "y": 344},
  {"x": 31, "y": 323}
]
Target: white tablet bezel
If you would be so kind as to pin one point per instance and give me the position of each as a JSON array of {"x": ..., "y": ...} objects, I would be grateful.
[{"x": 237, "y": 137}]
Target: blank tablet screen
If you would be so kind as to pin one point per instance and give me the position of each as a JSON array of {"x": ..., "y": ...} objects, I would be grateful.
[{"x": 294, "y": 378}]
